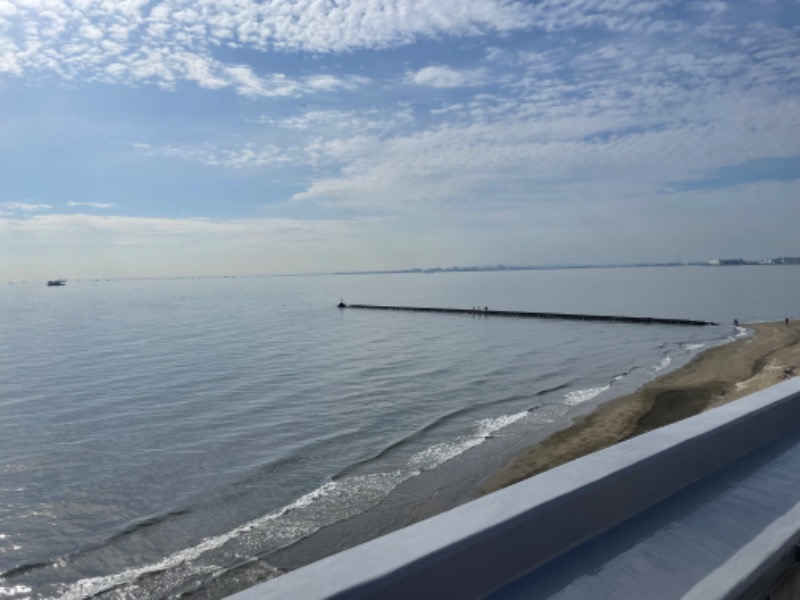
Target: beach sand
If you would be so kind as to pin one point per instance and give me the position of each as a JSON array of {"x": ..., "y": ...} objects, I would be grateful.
[{"x": 714, "y": 377}]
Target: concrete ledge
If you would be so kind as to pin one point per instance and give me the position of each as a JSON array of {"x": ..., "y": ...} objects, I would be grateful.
[
  {"x": 473, "y": 549},
  {"x": 755, "y": 569}
]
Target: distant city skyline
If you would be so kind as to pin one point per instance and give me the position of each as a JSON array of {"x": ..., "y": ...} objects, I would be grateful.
[
  {"x": 777, "y": 261},
  {"x": 169, "y": 138}
]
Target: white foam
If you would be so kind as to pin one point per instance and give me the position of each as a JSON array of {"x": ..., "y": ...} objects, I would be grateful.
[
  {"x": 14, "y": 590},
  {"x": 487, "y": 427},
  {"x": 665, "y": 362},
  {"x": 332, "y": 501},
  {"x": 438, "y": 454},
  {"x": 740, "y": 333},
  {"x": 327, "y": 504},
  {"x": 549, "y": 413},
  {"x": 693, "y": 347},
  {"x": 580, "y": 396}
]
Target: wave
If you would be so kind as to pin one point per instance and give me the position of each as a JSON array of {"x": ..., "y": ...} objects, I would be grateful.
[
  {"x": 552, "y": 389},
  {"x": 693, "y": 347},
  {"x": 441, "y": 420},
  {"x": 663, "y": 364},
  {"x": 283, "y": 527},
  {"x": 15, "y": 590},
  {"x": 140, "y": 524},
  {"x": 335, "y": 500},
  {"x": 24, "y": 568},
  {"x": 130, "y": 529},
  {"x": 577, "y": 397},
  {"x": 624, "y": 374},
  {"x": 404, "y": 441},
  {"x": 438, "y": 454}
]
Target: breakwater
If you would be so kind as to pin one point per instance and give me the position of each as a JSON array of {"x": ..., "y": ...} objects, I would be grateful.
[{"x": 532, "y": 315}]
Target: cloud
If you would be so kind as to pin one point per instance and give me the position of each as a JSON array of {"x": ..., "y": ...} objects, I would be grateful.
[
  {"x": 150, "y": 226},
  {"x": 329, "y": 83},
  {"x": 313, "y": 138},
  {"x": 350, "y": 122},
  {"x": 509, "y": 112},
  {"x": 92, "y": 204},
  {"x": 550, "y": 140},
  {"x": 728, "y": 176},
  {"x": 248, "y": 83},
  {"x": 168, "y": 41},
  {"x": 90, "y": 246},
  {"x": 233, "y": 156},
  {"x": 9, "y": 63},
  {"x": 715, "y": 7},
  {"x": 445, "y": 77},
  {"x": 620, "y": 111},
  {"x": 9, "y": 208}
]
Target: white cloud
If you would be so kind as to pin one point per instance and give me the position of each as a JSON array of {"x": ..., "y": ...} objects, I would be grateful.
[
  {"x": 168, "y": 41},
  {"x": 92, "y": 204},
  {"x": 199, "y": 69},
  {"x": 90, "y": 32},
  {"x": 90, "y": 246},
  {"x": 248, "y": 83},
  {"x": 564, "y": 120},
  {"x": 313, "y": 138},
  {"x": 351, "y": 122},
  {"x": 233, "y": 156},
  {"x": 560, "y": 138},
  {"x": 23, "y": 207},
  {"x": 595, "y": 112},
  {"x": 331, "y": 83},
  {"x": 715, "y": 7},
  {"x": 445, "y": 77},
  {"x": 171, "y": 40}
]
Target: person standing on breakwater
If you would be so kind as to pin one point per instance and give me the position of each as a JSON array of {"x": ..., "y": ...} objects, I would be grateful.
[{"x": 736, "y": 322}]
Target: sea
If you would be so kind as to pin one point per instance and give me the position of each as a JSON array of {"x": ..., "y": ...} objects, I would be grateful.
[{"x": 188, "y": 438}]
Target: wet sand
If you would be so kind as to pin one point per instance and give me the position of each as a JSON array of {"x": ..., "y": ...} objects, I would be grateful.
[{"x": 714, "y": 377}]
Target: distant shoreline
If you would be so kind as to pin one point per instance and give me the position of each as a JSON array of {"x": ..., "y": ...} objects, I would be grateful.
[
  {"x": 714, "y": 377},
  {"x": 772, "y": 262}
]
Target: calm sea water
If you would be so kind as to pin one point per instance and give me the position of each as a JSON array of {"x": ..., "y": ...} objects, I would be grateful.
[{"x": 170, "y": 438}]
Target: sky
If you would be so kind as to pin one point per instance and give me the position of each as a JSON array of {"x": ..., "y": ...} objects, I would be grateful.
[{"x": 239, "y": 137}]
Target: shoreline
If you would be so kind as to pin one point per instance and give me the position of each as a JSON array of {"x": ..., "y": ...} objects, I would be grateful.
[{"x": 714, "y": 377}]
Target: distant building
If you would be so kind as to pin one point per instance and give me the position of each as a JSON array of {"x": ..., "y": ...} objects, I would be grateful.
[
  {"x": 786, "y": 260},
  {"x": 727, "y": 262}
]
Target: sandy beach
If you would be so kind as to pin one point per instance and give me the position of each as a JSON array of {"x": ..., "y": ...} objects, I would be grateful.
[{"x": 716, "y": 376}]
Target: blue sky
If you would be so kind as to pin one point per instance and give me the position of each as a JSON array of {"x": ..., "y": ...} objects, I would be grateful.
[{"x": 234, "y": 137}]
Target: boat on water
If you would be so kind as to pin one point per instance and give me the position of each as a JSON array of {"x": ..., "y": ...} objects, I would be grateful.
[{"x": 56, "y": 282}]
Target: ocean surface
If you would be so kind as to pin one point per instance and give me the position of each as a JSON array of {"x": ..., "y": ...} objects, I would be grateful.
[{"x": 188, "y": 438}]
